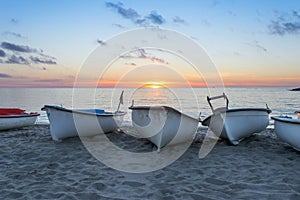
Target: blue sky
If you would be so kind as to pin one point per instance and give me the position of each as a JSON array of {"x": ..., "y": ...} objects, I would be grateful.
[{"x": 44, "y": 43}]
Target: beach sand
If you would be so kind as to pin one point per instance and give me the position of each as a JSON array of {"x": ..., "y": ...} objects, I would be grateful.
[{"x": 34, "y": 167}]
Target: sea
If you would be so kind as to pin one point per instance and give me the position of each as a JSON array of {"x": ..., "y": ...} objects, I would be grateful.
[{"x": 191, "y": 101}]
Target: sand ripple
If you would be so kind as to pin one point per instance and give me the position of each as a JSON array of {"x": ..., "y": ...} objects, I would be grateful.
[{"x": 34, "y": 167}]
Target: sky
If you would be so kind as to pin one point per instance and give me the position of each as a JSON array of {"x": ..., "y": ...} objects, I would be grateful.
[{"x": 251, "y": 42}]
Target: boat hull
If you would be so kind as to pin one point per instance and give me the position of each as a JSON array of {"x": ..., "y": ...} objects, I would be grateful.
[
  {"x": 237, "y": 124},
  {"x": 66, "y": 123},
  {"x": 163, "y": 125},
  {"x": 288, "y": 130},
  {"x": 10, "y": 122}
]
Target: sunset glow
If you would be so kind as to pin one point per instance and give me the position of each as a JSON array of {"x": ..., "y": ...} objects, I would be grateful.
[
  {"x": 153, "y": 85},
  {"x": 248, "y": 42}
]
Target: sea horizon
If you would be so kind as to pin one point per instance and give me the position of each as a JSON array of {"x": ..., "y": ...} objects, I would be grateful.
[
  {"x": 36, "y": 87},
  {"x": 191, "y": 101}
]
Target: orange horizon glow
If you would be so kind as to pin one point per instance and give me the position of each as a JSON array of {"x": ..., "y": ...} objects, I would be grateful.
[
  {"x": 194, "y": 85},
  {"x": 113, "y": 86},
  {"x": 229, "y": 81},
  {"x": 154, "y": 85}
]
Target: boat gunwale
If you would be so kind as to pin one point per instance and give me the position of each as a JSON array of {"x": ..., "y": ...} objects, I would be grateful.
[
  {"x": 159, "y": 108},
  {"x": 205, "y": 123},
  {"x": 19, "y": 116},
  {"x": 286, "y": 120},
  {"x": 105, "y": 114}
]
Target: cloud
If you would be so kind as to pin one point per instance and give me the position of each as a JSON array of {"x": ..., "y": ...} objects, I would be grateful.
[
  {"x": 285, "y": 23},
  {"x": 14, "y": 21},
  {"x": 215, "y": 3},
  {"x": 2, "y": 53},
  {"x": 101, "y": 42},
  {"x": 9, "y": 33},
  {"x": 141, "y": 21},
  {"x": 119, "y": 26},
  {"x": 47, "y": 56},
  {"x": 155, "y": 18},
  {"x": 129, "y": 13},
  {"x": 13, "y": 59},
  {"x": 2, "y": 75},
  {"x": 179, "y": 20},
  {"x": 18, "y": 48},
  {"x": 25, "y": 55},
  {"x": 205, "y": 23},
  {"x": 142, "y": 54},
  {"x": 48, "y": 80},
  {"x": 230, "y": 12},
  {"x": 131, "y": 64},
  {"x": 158, "y": 60},
  {"x": 296, "y": 14},
  {"x": 257, "y": 45},
  {"x": 42, "y": 60}
]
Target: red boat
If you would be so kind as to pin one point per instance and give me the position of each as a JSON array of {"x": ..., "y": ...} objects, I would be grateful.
[{"x": 16, "y": 118}]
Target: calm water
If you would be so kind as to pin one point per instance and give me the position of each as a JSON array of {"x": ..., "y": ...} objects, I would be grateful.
[{"x": 189, "y": 101}]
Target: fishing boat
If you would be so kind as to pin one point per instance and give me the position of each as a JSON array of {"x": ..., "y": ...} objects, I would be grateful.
[
  {"x": 288, "y": 130},
  {"x": 16, "y": 118},
  {"x": 66, "y": 123},
  {"x": 237, "y": 123},
  {"x": 163, "y": 125}
]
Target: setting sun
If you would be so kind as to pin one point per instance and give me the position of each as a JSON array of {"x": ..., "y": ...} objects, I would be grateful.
[{"x": 153, "y": 85}]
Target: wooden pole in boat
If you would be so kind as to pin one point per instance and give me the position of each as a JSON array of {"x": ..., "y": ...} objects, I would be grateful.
[{"x": 121, "y": 101}]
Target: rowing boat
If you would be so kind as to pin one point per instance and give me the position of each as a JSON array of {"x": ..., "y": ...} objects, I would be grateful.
[
  {"x": 163, "y": 125},
  {"x": 236, "y": 124},
  {"x": 66, "y": 123},
  {"x": 16, "y": 118}
]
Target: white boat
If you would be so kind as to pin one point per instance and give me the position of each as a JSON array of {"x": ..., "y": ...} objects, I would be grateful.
[
  {"x": 16, "y": 118},
  {"x": 288, "y": 130},
  {"x": 236, "y": 124},
  {"x": 163, "y": 125},
  {"x": 66, "y": 123}
]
